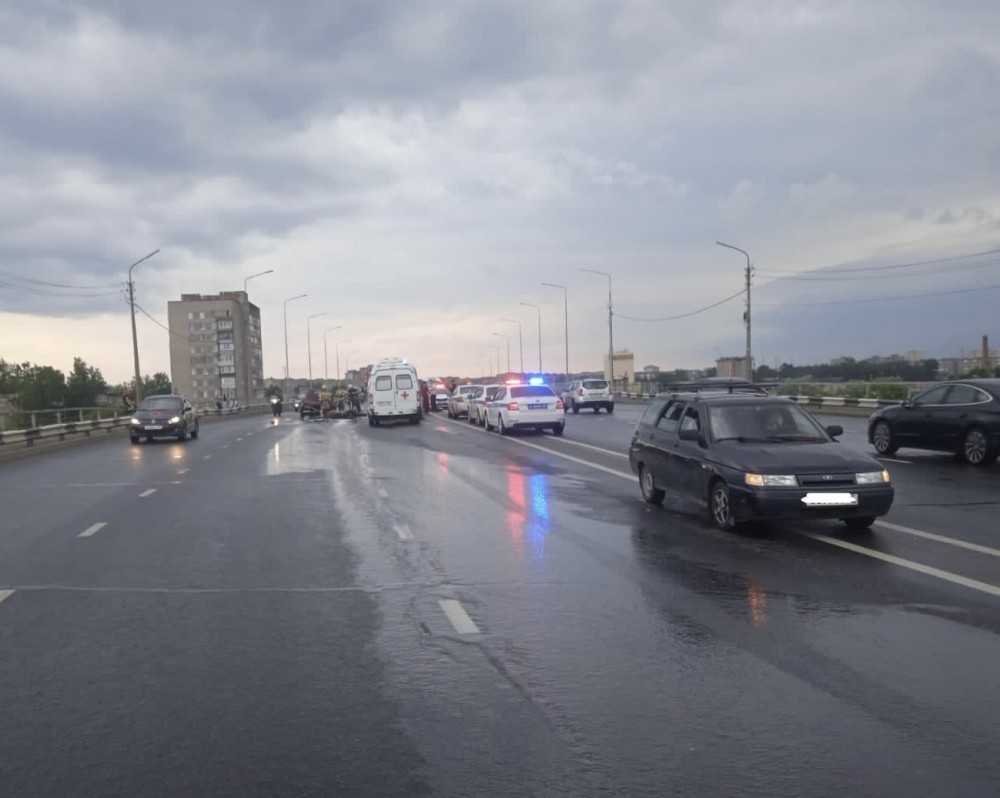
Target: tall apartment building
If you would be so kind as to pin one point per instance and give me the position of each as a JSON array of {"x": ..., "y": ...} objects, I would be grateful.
[{"x": 215, "y": 348}]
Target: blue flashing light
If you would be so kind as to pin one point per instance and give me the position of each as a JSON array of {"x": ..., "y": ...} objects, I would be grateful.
[{"x": 536, "y": 381}]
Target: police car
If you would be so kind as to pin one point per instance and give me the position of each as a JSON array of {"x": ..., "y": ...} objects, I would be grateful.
[{"x": 531, "y": 405}]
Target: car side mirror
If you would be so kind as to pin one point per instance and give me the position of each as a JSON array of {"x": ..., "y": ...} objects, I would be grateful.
[
  {"x": 690, "y": 435},
  {"x": 906, "y": 403},
  {"x": 835, "y": 430}
]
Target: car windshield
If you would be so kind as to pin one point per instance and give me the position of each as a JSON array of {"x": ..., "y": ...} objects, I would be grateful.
[
  {"x": 465, "y": 390},
  {"x": 521, "y": 391},
  {"x": 765, "y": 421},
  {"x": 595, "y": 385},
  {"x": 160, "y": 403}
]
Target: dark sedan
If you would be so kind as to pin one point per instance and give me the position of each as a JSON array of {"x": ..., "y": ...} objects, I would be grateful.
[
  {"x": 163, "y": 417},
  {"x": 961, "y": 417},
  {"x": 754, "y": 457}
]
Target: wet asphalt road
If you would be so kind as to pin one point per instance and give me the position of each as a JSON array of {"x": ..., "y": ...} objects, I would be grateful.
[{"x": 323, "y": 609}]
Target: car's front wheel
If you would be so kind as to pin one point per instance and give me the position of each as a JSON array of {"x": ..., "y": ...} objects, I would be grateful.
[
  {"x": 859, "y": 523},
  {"x": 976, "y": 449},
  {"x": 720, "y": 508},
  {"x": 883, "y": 439},
  {"x": 650, "y": 493},
  {"x": 195, "y": 431},
  {"x": 134, "y": 440},
  {"x": 182, "y": 435}
]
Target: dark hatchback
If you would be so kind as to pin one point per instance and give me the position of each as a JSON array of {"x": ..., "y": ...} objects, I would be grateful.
[
  {"x": 961, "y": 417},
  {"x": 167, "y": 416},
  {"x": 747, "y": 456}
]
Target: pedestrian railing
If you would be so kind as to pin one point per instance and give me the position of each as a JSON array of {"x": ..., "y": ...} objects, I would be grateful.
[{"x": 816, "y": 402}]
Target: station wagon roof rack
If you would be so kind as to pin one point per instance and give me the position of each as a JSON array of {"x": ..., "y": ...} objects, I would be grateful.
[{"x": 721, "y": 385}]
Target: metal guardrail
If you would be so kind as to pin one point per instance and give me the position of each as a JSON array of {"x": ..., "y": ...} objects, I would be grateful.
[
  {"x": 60, "y": 431},
  {"x": 820, "y": 402}
]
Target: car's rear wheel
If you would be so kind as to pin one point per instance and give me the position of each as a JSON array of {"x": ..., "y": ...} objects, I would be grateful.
[
  {"x": 859, "y": 523},
  {"x": 610, "y": 409},
  {"x": 650, "y": 493},
  {"x": 976, "y": 449},
  {"x": 720, "y": 509},
  {"x": 415, "y": 419},
  {"x": 486, "y": 422},
  {"x": 558, "y": 429},
  {"x": 501, "y": 427},
  {"x": 883, "y": 439}
]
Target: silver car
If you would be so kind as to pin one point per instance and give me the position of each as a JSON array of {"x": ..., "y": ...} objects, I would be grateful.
[
  {"x": 477, "y": 401},
  {"x": 458, "y": 402}
]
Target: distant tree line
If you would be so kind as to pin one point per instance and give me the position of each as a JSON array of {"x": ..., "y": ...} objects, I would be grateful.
[
  {"x": 844, "y": 369},
  {"x": 33, "y": 387}
]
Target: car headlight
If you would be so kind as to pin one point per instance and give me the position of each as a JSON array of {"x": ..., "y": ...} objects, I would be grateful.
[
  {"x": 771, "y": 480},
  {"x": 175, "y": 420},
  {"x": 136, "y": 421},
  {"x": 871, "y": 477}
]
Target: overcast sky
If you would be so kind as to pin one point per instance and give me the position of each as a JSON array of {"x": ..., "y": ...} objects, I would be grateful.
[{"x": 420, "y": 168}]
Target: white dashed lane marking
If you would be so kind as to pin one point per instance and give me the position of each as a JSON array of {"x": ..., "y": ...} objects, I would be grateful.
[
  {"x": 148, "y": 492},
  {"x": 93, "y": 529},
  {"x": 403, "y": 531},
  {"x": 460, "y": 620},
  {"x": 5, "y": 594},
  {"x": 383, "y": 493}
]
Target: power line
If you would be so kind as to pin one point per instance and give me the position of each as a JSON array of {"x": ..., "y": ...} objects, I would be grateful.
[
  {"x": 739, "y": 293},
  {"x": 881, "y": 299},
  {"x": 910, "y": 265},
  {"x": 24, "y": 289},
  {"x": 12, "y": 276},
  {"x": 831, "y": 277},
  {"x": 159, "y": 323}
]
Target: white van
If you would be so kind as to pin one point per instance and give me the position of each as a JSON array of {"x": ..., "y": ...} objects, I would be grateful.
[{"x": 393, "y": 392}]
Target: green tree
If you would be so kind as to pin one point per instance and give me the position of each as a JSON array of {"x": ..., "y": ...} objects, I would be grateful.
[
  {"x": 39, "y": 387},
  {"x": 158, "y": 384},
  {"x": 84, "y": 385}
]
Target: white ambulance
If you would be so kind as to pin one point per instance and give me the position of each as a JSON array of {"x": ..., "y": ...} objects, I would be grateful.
[{"x": 393, "y": 392}]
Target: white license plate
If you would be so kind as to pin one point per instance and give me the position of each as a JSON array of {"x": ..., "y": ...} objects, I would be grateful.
[
  {"x": 830, "y": 499},
  {"x": 537, "y": 407},
  {"x": 154, "y": 426}
]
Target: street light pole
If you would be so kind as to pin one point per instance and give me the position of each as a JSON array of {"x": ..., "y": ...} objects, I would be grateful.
[
  {"x": 520, "y": 338},
  {"x": 539, "y": 309},
  {"x": 502, "y": 335},
  {"x": 749, "y": 276},
  {"x": 135, "y": 336},
  {"x": 309, "y": 346},
  {"x": 284, "y": 393},
  {"x": 337, "y": 348},
  {"x": 565, "y": 319},
  {"x": 326, "y": 360},
  {"x": 611, "y": 326},
  {"x": 246, "y": 347}
]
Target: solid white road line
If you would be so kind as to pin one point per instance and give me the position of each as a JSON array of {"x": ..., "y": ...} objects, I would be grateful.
[
  {"x": 947, "y": 576},
  {"x": 890, "y": 460},
  {"x": 962, "y": 544},
  {"x": 146, "y": 493},
  {"x": 589, "y": 446},
  {"x": 403, "y": 531},
  {"x": 383, "y": 493},
  {"x": 460, "y": 620},
  {"x": 5, "y": 594},
  {"x": 93, "y": 529}
]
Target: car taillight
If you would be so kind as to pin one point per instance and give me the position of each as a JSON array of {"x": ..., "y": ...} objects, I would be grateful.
[
  {"x": 560, "y": 405},
  {"x": 512, "y": 406},
  {"x": 581, "y": 392}
]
